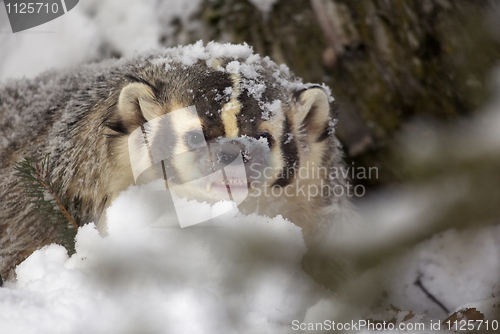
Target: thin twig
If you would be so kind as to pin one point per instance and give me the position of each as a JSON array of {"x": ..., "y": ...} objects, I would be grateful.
[{"x": 60, "y": 205}]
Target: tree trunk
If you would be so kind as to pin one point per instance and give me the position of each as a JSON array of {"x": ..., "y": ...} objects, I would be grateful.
[{"x": 387, "y": 62}]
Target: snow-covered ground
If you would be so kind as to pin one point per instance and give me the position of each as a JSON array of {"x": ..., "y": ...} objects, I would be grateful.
[{"x": 238, "y": 274}]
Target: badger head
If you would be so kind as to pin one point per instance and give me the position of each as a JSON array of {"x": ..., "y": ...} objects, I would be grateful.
[{"x": 222, "y": 128}]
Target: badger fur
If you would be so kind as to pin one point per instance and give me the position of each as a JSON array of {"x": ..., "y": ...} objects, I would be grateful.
[{"x": 82, "y": 118}]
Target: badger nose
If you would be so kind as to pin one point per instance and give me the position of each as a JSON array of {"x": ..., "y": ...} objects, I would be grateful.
[{"x": 229, "y": 154}]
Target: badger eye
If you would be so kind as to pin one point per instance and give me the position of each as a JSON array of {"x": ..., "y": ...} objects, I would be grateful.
[
  {"x": 194, "y": 139},
  {"x": 267, "y": 136}
]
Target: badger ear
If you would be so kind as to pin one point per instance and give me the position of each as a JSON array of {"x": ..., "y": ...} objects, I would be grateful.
[
  {"x": 313, "y": 111},
  {"x": 136, "y": 103}
]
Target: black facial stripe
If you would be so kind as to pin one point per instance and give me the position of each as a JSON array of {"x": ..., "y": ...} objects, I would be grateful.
[
  {"x": 290, "y": 152},
  {"x": 209, "y": 99},
  {"x": 249, "y": 117}
]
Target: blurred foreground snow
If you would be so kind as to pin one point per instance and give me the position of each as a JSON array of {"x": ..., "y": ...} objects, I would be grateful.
[{"x": 234, "y": 274}]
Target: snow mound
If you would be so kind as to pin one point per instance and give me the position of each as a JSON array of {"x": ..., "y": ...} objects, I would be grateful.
[{"x": 234, "y": 274}]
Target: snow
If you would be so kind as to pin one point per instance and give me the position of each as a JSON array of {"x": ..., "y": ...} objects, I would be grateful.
[
  {"x": 190, "y": 54},
  {"x": 271, "y": 109},
  {"x": 246, "y": 66},
  {"x": 232, "y": 275},
  {"x": 456, "y": 267}
]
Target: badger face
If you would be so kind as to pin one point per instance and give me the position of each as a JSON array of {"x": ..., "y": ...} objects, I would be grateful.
[
  {"x": 221, "y": 128},
  {"x": 175, "y": 147},
  {"x": 218, "y": 168}
]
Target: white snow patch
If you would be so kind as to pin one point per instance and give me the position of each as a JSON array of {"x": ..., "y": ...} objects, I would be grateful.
[
  {"x": 190, "y": 54},
  {"x": 236, "y": 274},
  {"x": 271, "y": 109}
]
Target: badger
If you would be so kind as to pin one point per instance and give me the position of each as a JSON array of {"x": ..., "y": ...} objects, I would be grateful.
[{"x": 211, "y": 108}]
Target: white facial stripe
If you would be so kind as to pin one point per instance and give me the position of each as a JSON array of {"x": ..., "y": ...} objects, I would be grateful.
[
  {"x": 231, "y": 109},
  {"x": 184, "y": 121}
]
